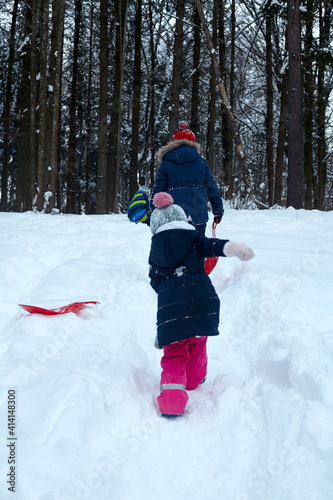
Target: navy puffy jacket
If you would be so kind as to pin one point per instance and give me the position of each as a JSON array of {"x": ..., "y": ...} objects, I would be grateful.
[
  {"x": 187, "y": 177},
  {"x": 188, "y": 305}
]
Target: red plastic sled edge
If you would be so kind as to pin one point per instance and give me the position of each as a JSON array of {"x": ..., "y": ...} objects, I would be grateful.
[
  {"x": 211, "y": 262},
  {"x": 75, "y": 307}
]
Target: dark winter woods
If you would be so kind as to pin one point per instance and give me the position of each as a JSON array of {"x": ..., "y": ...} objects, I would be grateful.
[{"x": 90, "y": 89}]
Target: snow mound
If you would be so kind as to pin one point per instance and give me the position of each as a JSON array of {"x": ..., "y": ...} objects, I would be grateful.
[{"x": 87, "y": 424}]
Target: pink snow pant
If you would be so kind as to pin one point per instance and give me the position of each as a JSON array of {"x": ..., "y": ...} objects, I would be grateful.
[{"x": 184, "y": 366}]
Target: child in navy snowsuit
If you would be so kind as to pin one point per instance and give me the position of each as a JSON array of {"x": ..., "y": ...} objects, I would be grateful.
[
  {"x": 186, "y": 176},
  {"x": 188, "y": 306}
]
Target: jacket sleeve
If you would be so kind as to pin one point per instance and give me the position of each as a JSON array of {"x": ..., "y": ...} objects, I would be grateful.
[
  {"x": 155, "y": 279},
  {"x": 213, "y": 193},
  {"x": 210, "y": 247},
  {"x": 161, "y": 184}
]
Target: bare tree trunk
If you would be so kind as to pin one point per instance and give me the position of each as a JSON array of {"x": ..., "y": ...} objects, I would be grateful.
[
  {"x": 269, "y": 101},
  {"x": 295, "y": 189},
  {"x": 176, "y": 83},
  {"x": 308, "y": 105},
  {"x": 101, "y": 206},
  {"x": 22, "y": 201},
  {"x": 58, "y": 15},
  {"x": 324, "y": 34},
  {"x": 113, "y": 157},
  {"x": 88, "y": 201},
  {"x": 152, "y": 95},
  {"x": 6, "y": 111},
  {"x": 282, "y": 134},
  {"x": 247, "y": 192},
  {"x": 227, "y": 141},
  {"x": 136, "y": 102},
  {"x": 196, "y": 74},
  {"x": 33, "y": 101},
  {"x": 72, "y": 160},
  {"x": 42, "y": 143},
  {"x": 210, "y": 149}
]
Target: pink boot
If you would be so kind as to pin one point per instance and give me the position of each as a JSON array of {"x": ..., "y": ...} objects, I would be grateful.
[
  {"x": 172, "y": 402},
  {"x": 173, "y": 397},
  {"x": 184, "y": 366}
]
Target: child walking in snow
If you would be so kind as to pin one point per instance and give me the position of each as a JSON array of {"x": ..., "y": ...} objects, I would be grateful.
[
  {"x": 188, "y": 306},
  {"x": 187, "y": 177}
]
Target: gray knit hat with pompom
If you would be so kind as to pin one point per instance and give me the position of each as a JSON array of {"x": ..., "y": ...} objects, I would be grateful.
[{"x": 165, "y": 211}]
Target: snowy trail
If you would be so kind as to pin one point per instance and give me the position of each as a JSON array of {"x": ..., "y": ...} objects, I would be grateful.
[{"x": 87, "y": 425}]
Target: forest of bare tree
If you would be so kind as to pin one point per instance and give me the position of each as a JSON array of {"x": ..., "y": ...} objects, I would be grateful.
[{"x": 91, "y": 89}]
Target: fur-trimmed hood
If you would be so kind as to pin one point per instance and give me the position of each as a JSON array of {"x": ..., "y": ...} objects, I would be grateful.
[{"x": 175, "y": 144}]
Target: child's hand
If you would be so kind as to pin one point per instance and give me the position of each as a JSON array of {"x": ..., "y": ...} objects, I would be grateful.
[{"x": 240, "y": 250}]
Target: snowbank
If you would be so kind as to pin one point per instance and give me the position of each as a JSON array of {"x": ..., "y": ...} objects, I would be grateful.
[{"x": 87, "y": 424}]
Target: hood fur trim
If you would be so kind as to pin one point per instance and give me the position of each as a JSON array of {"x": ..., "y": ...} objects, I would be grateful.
[{"x": 174, "y": 144}]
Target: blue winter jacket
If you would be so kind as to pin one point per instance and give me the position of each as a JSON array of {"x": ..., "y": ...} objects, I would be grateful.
[
  {"x": 187, "y": 177},
  {"x": 188, "y": 305}
]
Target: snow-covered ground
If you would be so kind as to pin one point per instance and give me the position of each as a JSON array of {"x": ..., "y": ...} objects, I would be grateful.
[{"x": 87, "y": 425}]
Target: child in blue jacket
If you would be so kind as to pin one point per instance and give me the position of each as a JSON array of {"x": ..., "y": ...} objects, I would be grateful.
[
  {"x": 188, "y": 306},
  {"x": 186, "y": 176}
]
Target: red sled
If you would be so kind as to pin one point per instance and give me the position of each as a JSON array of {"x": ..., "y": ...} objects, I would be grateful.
[
  {"x": 211, "y": 262},
  {"x": 75, "y": 307}
]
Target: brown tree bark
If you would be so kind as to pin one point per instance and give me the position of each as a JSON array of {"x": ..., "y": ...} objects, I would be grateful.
[
  {"x": 295, "y": 183},
  {"x": 196, "y": 74},
  {"x": 325, "y": 15},
  {"x": 134, "y": 165},
  {"x": 88, "y": 199},
  {"x": 101, "y": 202},
  {"x": 72, "y": 142},
  {"x": 33, "y": 144},
  {"x": 176, "y": 83},
  {"x": 227, "y": 141},
  {"x": 269, "y": 107},
  {"x": 22, "y": 201},
  {"x": 113, "y": 157},
  {"x": 42, "y": 137},
  {"x": 282, "y": 134},
  {"x": 6, "y": 111},
  {"x": 247, "y": 193},
  {"x": 152, "y": 95},
  {"x": 58, "y": 15},
  {"x": 309, "y": 86},
  {"x": 210, "y": 147}
]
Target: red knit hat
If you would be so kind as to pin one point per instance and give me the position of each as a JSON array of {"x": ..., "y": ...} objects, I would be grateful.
[{"x": 183, "y": 132}]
